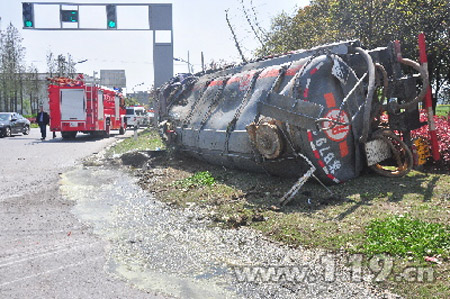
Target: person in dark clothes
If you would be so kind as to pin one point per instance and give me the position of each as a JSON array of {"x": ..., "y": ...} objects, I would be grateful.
[{"x": 42, "y": 119}]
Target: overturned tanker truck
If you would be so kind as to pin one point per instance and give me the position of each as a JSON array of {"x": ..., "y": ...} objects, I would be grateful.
[{"x": 328, "y": 111}]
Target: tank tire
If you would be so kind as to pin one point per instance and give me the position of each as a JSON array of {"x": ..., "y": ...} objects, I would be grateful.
[{"x": 402, "y": 155}]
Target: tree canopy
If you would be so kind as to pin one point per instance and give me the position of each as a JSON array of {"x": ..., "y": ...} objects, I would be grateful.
[
  {"x": 11, "y": 65},
  {"x": 374, "y": 23}
]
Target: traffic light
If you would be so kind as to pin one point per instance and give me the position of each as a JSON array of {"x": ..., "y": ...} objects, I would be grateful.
[
  {"x": 69, "y": 16},
  {"x": 111, "y": 16},
  {"x": 28, "y": 15}
]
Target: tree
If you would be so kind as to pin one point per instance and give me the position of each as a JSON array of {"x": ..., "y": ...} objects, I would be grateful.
[
  {"x": 61, "y": 66},
  {"x": 375, "y": 23},
  {"x": 32, "y": 88},
  {"x": 11, "y": 63},
  {"x": 433, "y": 18},
  {"x": 51, "y": 63},
  {"x": 19, "y": 84},
  {"x": 131, "y": 101}
]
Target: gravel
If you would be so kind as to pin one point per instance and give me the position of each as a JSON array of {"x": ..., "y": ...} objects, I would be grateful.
[{"x": 181, "y": 253}]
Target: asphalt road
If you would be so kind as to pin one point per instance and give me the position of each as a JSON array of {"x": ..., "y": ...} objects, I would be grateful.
[{"x": 45, "y": 251}]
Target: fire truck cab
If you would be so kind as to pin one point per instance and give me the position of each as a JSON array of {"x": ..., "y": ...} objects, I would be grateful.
[{"x": 79, "y": 107}]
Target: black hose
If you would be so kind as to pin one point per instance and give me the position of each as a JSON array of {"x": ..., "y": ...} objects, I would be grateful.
[{"x": 370, "y": 92}]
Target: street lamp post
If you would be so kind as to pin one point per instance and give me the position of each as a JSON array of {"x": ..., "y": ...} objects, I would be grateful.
[{"x": 72, "y": 70}]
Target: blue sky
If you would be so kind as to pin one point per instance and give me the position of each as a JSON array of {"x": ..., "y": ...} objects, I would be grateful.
[{"x": 198, "y": 25}]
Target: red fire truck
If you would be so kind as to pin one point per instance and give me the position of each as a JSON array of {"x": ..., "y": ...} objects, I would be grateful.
[{"x": 76, "y": 106}]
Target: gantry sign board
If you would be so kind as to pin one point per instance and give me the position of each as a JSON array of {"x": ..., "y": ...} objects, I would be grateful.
[
  {"x": 76, "y": 16},
  {"x": 113, "y": 78}
]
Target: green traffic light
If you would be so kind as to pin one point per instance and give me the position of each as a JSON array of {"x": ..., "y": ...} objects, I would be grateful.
[
  {"x": 111, "y": 17},
  {"x": 69, "y": 16},
  {"x": 28, "y": 15}
]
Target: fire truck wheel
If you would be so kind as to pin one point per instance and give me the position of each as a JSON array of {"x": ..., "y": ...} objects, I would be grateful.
[
  {"x": 122, "y": 130},
  {"x": 69, "y": 135}
]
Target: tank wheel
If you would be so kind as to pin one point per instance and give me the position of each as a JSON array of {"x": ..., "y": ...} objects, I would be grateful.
[{"x": 401, "y": 161}]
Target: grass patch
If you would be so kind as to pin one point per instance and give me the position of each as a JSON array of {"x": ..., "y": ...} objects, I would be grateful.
[
  {"x": 403, "y": 235},
  {"x": 442, "y": 110},
  {"x": 147, "y": 139},
  {"x": 203, "y": 178}
]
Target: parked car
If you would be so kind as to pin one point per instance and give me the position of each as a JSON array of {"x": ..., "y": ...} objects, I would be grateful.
[{"x": 13, "y": 123}]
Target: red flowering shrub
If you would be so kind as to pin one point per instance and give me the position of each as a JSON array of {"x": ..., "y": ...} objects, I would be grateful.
[{"x": 443, "y": 134}]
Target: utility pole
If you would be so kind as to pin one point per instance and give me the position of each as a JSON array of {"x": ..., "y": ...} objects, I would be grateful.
[
  {"x": 203, "y": 62},
  {"x": 189, "y": 64}
]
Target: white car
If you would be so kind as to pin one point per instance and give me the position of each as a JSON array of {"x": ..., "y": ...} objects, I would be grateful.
[{"x": 135, "y": 116}]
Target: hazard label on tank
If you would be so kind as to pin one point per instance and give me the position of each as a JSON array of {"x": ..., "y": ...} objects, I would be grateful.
[{"x": 335, "y": 131}]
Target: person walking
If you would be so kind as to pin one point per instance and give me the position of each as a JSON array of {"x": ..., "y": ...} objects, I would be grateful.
[{"x": 42, "y": 119}]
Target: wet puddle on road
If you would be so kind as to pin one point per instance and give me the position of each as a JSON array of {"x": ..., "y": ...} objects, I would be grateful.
[
  {"x": 177, "y": 252},
  {"x": 154, "y": 247}
]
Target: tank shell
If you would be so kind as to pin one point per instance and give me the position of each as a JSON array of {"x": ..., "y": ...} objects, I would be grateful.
[{"x": 260, "y": 118}]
